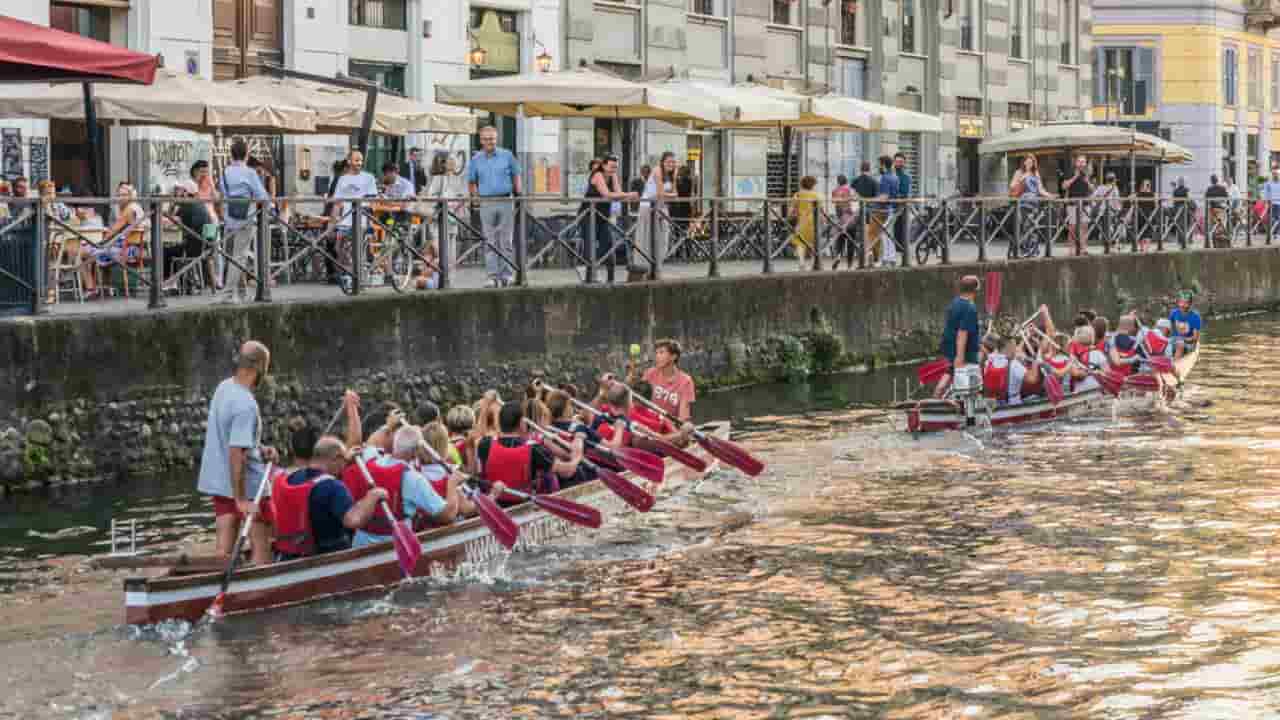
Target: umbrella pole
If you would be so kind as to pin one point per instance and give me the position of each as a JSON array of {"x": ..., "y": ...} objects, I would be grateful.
[
  {"x": 92, "y": 137},
  {"x": 786, "y": 162},
  {"x": 370, "y": 107}
]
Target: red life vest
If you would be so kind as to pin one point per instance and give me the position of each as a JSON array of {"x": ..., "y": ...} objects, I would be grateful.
[
  {"x": 1155, "y": 343},
  {"x": 388, "y": 478},
  {"x": 1033, "y": 388},
  {"x": 995, "y": 381},
  {"x": 291, "y": 506},
  {"x": 1127, "y": 369},
  {"x": 1101, "y": 347},
  {"x": 650, "y": 419},
  {"x": 511, "y": 466},
  {"x": 605, "y": 429}
]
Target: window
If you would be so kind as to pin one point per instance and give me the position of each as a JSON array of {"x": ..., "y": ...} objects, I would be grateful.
[
  {"x": 1251, "y": 159},
  {"x": 1020, "y": 111},
  {"x": 1229, "y": 76},
  {"x": 1016, "y": 31},
  {"x": 849, "y": 31},
  {"x": 386, "y": 14},
  {"x": 704, "y": 7},
  {"x": 782, "y": 12},
  {"x": 1255, "y": 79},
  {"x": 969, "y": 106},
  {"x": 1124, "y": 78},
  {"x": 851, "y": 148},
  {"x": 1067, "y": 32},
  {"x": 496, "y": 31},
  {"x": 1275, "y": 84},
  {"x": 968, "y": 26},
  {"x": 1228, "y": 155},
  {"x": 908, "y": 43},
  {"x": 387, "y": 76}
]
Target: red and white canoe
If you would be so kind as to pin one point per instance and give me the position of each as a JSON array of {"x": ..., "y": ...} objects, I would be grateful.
[
  {"x": 185, "y": 596},
  {"x": 939, "y": 415}
]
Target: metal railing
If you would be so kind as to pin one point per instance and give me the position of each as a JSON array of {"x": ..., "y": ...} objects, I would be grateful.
[{"x": 378, "y": 242}]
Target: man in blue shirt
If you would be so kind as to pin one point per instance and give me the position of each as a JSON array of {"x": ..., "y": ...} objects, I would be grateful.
[
  {"x": 495, "y": 173},
  {"x": 417, "y": 495},
  {"x": 1186, "y": 324},
  {"x": 960, "y": 341},
  {"x": 315, "y": 512},
  {"x": 239, "y": 181},
  {"x": 878, "y": 225},
  {"x": 904, "y": 192}
]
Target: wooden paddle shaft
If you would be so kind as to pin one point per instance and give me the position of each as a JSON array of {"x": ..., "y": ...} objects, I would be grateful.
[{"x": 244, "y": 528}]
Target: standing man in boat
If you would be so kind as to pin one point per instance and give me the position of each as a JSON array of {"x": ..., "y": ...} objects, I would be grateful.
[
  {"x": 960, "y": 341},
  {"x": 231, "y": 465},
  {"x": 313, "y": 511}
]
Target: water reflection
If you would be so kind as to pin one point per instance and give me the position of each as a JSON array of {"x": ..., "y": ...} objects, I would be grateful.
[{"x": 1102, "y": 567}]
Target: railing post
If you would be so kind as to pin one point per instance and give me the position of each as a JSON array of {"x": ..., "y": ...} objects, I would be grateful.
[
  {"x": 655, "y": 270},
  {"x": 946, "y": 233},
  {"x": 862, "y": 233},
  {"x": 357, "y": 247},
  {"x": 444, "y": 252},
  {"x": 40, "y": 259},
  {"x": 263, "y": 254},
  {"x": 982, "y": 231},
  {"x": 1015, "y": 251},
  {"x": 1248, "y": 223},
  {"x": 521, "y": 242},
  {"x": 1164, "y": 224},
  {"x": 903, "y": 207},
  {"x": 592, "y": 210},
  {"x": 1052, "y": 230},
  {"x": 1271, "y": 221},
  {"x": 1104, "y": 222},
  {"x": 768, "y": 239},
  {"x": 714, "y": 269},
  {"x": 155, "y": 294},
  {"x": 1132, "y": 226},
  {"x": 817, "y": 239}
]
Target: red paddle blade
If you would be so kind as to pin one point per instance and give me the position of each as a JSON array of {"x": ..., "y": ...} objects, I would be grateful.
[
  {"x": 576, "y": 513},
  {"x": 1142, "y": 382},
  {"x": 408, "y": 547},
  {"x": 504, "y": 529},
  {"x": 689, "y": 460},
  {"x": 1110, "y": 383},
  {"x": 1053, "y": 388},
  {"x": 644, "y": 464},
  {"x": 625, "y": 489},
  {"x": 930, "y": 372},
  {"x": 1159, "y": 363},
  {"x": 995, "y": 281},
  {"x": 730, "y": 454},
  {"x": 215, "y": 610}
]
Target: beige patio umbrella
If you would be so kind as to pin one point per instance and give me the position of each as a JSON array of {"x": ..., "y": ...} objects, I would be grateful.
[
  {"x": 340, "y": 109},
  {"x": 581, "y": 92},
  {"x": 1086, "y": 139},
  {"x": 836, "y": 112},
  {"x": 175, "y": 100},
  {"x": 740, "y": 106}
]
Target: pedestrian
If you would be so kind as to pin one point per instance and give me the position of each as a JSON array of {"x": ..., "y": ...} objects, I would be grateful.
[
  {"x": 492, "y": 174},
  {"x": 1077, "y": 189},
  {"x": 353, "y": 184},
  {"x": 412, "y": 171},
  {"x": 1184, "y": 209},
  {"x": 231, "y": 464},
  {"x": 240, "y": 186},
  {"x": 1271, "y": 194},
  {"x": 803, "y": 206},
  {"x": 1107, "y": 199},
  {"x": 1216, "y": 199},
  {"x": 447, "y": 186},
  {"x": 604, "y": 184},
  {"x": 903, "y": 220},
  {"x": 652, "y": 221},
  {"x": 1146, "y": 214},
  {"x": 681, "y": 209},
  {"x": 191, "y": 218},
  {"x": 843, "y": 206},
  {"x": 1029, "y": 189},
  {"x": 960, "y": 341},
  {"x": 878, "y": 227}
]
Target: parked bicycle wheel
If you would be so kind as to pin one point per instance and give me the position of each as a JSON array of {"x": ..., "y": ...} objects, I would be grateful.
[{"x": 925, "y": 248}]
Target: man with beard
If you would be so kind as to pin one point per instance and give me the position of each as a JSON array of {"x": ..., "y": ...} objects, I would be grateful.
[{"x": 231, "y": 465}]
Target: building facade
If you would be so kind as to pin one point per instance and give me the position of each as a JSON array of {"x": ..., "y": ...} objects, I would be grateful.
[
  {"x": 985, "y": 67},
  {"x": 1203, "y": 74}
]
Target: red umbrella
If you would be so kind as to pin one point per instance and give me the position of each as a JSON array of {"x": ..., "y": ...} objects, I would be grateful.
[{"x": 35, "y": 53}]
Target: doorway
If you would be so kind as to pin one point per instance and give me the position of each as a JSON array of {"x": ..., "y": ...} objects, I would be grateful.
[{"x": 968, "y": 180}]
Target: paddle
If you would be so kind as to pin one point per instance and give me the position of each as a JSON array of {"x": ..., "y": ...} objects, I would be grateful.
[
  {"x": 334, "y": 420},
  {"x": 630, "y": 493},
  {"x": 1052, "y": 383},
  {"x": 693, "y": 462},
  {"x": 1143, "y": 382},
  {"x": 1160, "y": 364},
  {"x": 645, "y": 464},
  {"x": 408, "y": 547},
  {"x": 932, "y": 371},
  {"x": 726, "y": 450},
  {"x": 500, "y": 524},
  {"x": 569, "y": 510},
  {"x": 215, "y": 609}
]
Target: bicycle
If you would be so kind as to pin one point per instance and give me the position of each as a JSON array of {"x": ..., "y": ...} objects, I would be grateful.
[{"x": 398, "y": 254}]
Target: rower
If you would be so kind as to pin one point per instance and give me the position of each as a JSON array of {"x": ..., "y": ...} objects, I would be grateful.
[
  {"x": 560, "y": 405},
  {"x": 1102, "y": 335},
  {"x": 1087, "y": 361},
  {"x": 1186, "y": 324},
  {"x": 673, "y": 389},
  {"x": 509, "y": 458},
  {"x": 1057, "y": 361},
  {"x": 314, "y": 511},
  {"x": 460, "y": 420},
  {"x": 654, "y": 422},
  {"x": 1124, "y": 346},
  {"x": 1156, "y": 342},
  {"x": 409, "y": 492},
  {"x": 960, "y": 337},
  {"x": 1002, "y": 373}
]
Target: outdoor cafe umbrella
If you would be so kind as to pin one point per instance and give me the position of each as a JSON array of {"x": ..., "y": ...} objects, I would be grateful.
[
  {"x": 1086, "y": 138},
  {"x": 340, "y": 109},
  {"x": 582, "y": 92},
  {"x": 174, "y": 100},
  {"x": 35, "y": 53}
]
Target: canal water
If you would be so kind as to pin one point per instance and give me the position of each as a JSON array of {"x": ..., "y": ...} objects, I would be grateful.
[{"x": 1112, "y": 566}]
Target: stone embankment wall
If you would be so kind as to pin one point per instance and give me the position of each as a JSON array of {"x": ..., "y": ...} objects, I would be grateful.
[{"x": 87, "y": 397}]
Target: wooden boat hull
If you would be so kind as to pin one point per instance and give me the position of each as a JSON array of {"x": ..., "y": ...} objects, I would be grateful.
[
  {"x": 187, "y": 597},
  {"x": 941, "y": 415}
]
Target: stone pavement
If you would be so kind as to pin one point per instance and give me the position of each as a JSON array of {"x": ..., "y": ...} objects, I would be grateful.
[{"x": 474, "y": 278}]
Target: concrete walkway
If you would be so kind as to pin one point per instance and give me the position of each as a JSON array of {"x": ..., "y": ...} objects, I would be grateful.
[{"x": 474, "y": 278}]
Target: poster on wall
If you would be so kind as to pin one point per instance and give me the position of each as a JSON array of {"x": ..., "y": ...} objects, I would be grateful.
[
  {"x": 10, "y": 152},
  {"x": 39, "y": 159}
]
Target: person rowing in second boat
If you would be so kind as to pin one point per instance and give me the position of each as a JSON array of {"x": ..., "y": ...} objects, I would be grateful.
[
  {"x": 314, "y": 512},
  {"x": 409, "y": 491},
  {"x": 1087, "y": 359},
  {"x": 1123, "y": 356},
  {"x": 1186, "y": 325},
  {"x": 1002, "y": 372}
]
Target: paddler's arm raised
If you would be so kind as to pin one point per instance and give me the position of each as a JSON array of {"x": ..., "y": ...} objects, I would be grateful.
[{"x": 351, "y": 403}]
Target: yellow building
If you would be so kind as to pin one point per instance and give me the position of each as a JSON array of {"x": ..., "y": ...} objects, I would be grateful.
[{"x": 1205, "y": 75}]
